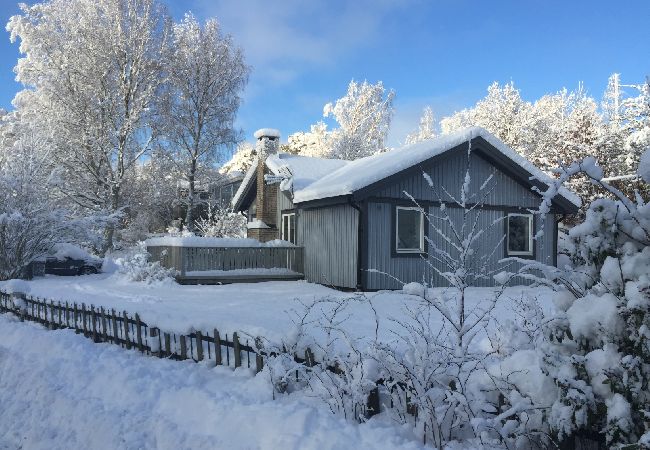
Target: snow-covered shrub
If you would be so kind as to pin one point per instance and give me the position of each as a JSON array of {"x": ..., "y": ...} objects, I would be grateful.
[
  {"x": 135, "y": 266},
  {"x": 221, "y": 221},
  {"x": 596, "y": 348}
]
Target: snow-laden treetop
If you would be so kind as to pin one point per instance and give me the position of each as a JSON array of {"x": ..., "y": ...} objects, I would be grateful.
[{"x": 269, "y": 132}]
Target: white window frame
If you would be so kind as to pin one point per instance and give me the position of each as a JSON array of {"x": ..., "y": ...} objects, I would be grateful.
[
  {"x": 288, "y": 216},
  {"x": 409, "y": 250},
  {"x": 531, "y": 230}
]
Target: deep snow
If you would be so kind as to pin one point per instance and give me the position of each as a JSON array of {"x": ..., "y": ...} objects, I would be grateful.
[
  {"x": 59, "y": 390},
  {"x": 266, "y": 309}
]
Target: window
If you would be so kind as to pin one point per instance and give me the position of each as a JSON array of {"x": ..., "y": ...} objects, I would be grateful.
[
  {"x": 289, "y": 227},
  {"x": 520, "y": 234},
  {"x": 409, "y": 230},
  {"x": 252, "y": 211}
]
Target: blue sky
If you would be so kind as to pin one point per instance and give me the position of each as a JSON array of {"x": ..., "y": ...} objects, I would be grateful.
[{"x": 442, "y": 53}]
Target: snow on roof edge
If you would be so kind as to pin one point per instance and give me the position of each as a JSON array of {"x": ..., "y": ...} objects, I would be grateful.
[
  {"x": 329, "y": 186},
  {"x": 244, "y": 184}
]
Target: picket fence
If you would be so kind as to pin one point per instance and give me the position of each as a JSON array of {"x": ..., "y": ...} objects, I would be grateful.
[{"x": 130, "y": 332}]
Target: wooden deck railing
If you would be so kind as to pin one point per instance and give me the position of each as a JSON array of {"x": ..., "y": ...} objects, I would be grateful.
[{"x": 191, "y": 259}]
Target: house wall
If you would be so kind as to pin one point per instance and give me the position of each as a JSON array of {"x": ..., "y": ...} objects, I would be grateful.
[
  {"x": 284, "y": 203},
  {"x": 450, "y": 174},
  {"x": 506, "y": 195},
  {"x": 330, "y": 238},
  {"x": 393, "y": 270}
]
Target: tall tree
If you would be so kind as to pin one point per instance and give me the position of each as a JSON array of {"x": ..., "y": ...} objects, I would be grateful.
[
  {"x": 363, "y": 115},
  {"x": 92, "y": 71},
  {"x": 207, "y": 74},
  {"x": 502, "y": 112},
  {"x": 426, "y": 129}
]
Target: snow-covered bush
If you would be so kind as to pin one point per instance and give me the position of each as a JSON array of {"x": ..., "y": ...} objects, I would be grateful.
[
  {"x": 221, "y": 222},
  {"x": 135, "y": 266},
  {"x": 596, "y": 348}
]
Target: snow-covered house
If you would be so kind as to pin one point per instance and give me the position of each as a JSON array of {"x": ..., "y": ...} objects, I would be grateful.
[{"x": 358, "y": 225}]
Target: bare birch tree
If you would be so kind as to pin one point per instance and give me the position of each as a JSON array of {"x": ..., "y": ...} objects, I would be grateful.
[
  {"x": 92, "y": 71},
  {"x": 207, "y": 73}
]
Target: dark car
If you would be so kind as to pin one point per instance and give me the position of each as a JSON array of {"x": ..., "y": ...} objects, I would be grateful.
[{"x": 70, "y": 266}]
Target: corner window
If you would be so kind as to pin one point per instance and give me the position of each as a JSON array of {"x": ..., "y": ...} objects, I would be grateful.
[
  {"x": 520, "y": 234},
  {"x": 409, "y": 230},
  {"x": 289, "y": 227}
]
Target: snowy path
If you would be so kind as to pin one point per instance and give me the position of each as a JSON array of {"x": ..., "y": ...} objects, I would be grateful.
[{"x": 61, "y": 391}]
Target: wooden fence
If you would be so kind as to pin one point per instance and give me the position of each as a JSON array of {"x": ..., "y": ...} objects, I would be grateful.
[
  {"x": 103, "y": 325},
  {"x": 130, "y": 332}
]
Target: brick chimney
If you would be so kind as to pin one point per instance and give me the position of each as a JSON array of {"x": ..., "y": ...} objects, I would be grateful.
[{"x": 268, "y": 143}]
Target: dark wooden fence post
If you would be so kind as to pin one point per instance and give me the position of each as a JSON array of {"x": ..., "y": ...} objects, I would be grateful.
[
  {"x": 259, "y": 363},
  {"x": 168, "y": 345},
  {"x": 93, "y": 317},
  {"x": 126, "y": 330},
  {"x": 372, "y": 405},
  {"x": 75, "y": 318},
  {"x": 217, "y": 348},
  {"x": 52, "y": 321},
  {"x": 183, "y": 348},
  {"x": 237, "y": 349},
  {"x": 83, "y": 319},
  {"x": 116, "y": 332},
  {"x": 199, "y": 346},
  {"x": 104, "y": 332},
  {"x": 138, "y": 332}
]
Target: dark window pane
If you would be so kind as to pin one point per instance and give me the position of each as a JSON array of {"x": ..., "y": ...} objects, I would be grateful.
[
  {"x": 292, "y": 228},
  {"x": 519, "y": 234},
  {"x": 408, "y": 229}
]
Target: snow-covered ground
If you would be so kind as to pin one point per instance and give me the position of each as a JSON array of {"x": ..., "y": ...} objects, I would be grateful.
[
  {"x": 59, "y": 390},
  {"x": 266, "y": 309}
]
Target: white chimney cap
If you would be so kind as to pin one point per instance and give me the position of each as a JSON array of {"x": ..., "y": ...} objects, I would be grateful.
[{"x": 267, "y": 132}]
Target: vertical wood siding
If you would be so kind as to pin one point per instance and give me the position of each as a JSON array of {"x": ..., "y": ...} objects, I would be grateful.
[
  {"x": 450, "y": 174},
  {"x": 284, "y": 203},
  {"x": 330, "y": 238},
  {"x": 394, "y": 271}
]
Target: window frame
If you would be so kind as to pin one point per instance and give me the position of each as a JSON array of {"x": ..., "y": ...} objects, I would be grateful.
[
  {"x": 411, "y": 251},
  {"x": 531, "y": 234},
  {"x": 289, "y": 214}
]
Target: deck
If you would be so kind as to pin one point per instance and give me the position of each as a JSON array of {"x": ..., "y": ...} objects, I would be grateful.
[{"x": 223, "y": 265}]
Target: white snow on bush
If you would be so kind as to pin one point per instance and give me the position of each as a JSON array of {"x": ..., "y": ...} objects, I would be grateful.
[
  {"x": 199, "y": 241},
  {"x": 594, "y": 318}
]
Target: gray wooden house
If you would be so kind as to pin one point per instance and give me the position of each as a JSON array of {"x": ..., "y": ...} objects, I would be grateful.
[{"x": 358, "y": 226}]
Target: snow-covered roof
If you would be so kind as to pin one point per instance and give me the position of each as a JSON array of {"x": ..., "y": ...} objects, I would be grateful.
[
  {"x": 305, "y": 170},
  {"x": 243, "y": 187},
  {"x": 270, "y": 132},
  {"x": 355, "y": 175}
]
